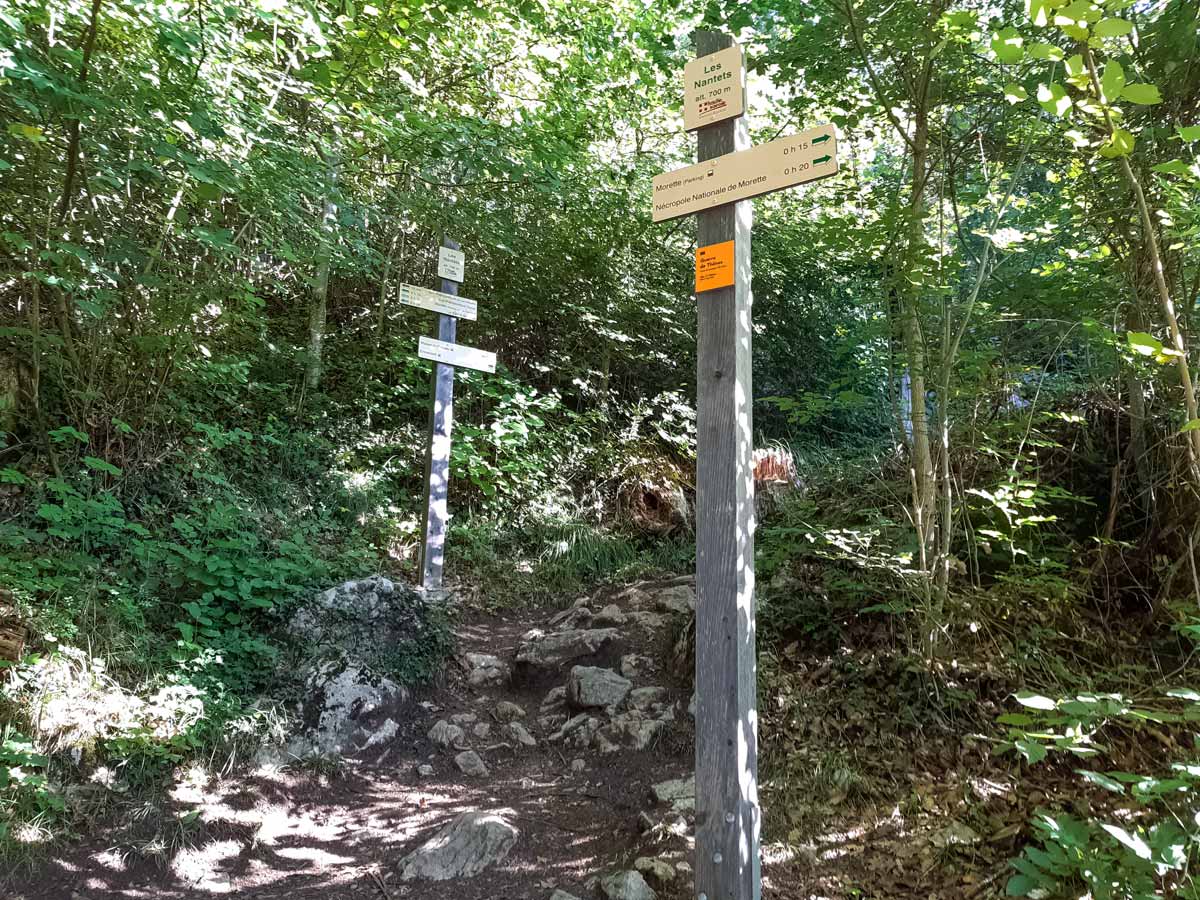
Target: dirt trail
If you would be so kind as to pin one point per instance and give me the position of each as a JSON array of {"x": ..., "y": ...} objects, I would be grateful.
[{"x": 296, "y": 834}]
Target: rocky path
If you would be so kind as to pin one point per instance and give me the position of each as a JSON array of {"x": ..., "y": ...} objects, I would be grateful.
[{"x": 553, "y": 761}]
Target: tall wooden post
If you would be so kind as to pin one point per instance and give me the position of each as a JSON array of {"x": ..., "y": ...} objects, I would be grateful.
[
  {"x": 727, "y": 813},
  {"x": 437, "y": 463}
]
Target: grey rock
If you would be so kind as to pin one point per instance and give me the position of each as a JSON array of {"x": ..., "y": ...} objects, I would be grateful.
[
  {"x": 425, "y": 770},
  {"x": 484, "y": 669},
  {"x": 345, "y": 703},
  {"x": 446, "y": 735},
  {"x": 519, "y": 734},
  {"x": 464, "y": 719},
  {"x": 680, "y": 793},
  {"x": 482, "y": 730},
  {"x": 634, "y": 729},
  {"x": 626, "y": 886},
  {"x": 506, "y": 711},
  {"x": 578, "y": 765},
  {"x": 955, "y": 834},
  {"x": 469, "y": 763},
  {"x": 562, "y": 895},
  {"x": 550, "y": 724},
  {"x": 648, "y": 620},
  {"x": 592, "y": 687},
  {"x": 554, "y": 700},
  {"x": 465, "y": 847},
  {"x": 545, "y": 650},
  {"x": 575, "y": 617},
  {"x": 644, "y": 699},
  {"x": 657, "y": 870},
  {"x": 680, "y": 600},
  {"x": 633, "y": 665},
  {"x": 578, "y": 731},
  {"x": 610, "y": 615}
]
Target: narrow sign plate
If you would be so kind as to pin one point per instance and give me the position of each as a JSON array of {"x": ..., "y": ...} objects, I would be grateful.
[
  {"x": 713, "y": 88},
  {"x": 714, "y": 266},
  {"x": 456, "y": 354},
  {"x": 782, "y": 163},
  {"x": 436, "y": 301},
  {"x": 451, "y": 264}
]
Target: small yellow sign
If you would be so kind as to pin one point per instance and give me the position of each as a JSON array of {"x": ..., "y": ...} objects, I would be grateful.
[{"x": 714, "y": 266}]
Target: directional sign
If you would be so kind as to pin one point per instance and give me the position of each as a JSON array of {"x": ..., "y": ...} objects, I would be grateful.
[
  {"x": 783, "y": 163},
  {"x": 713, "y": 88},
  {"x": 456, "y": 355},
  {"x": 451, "y": 264},
  {"x": 436, "y": 301}
]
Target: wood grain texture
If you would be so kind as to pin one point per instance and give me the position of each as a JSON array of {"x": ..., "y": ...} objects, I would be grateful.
[
  {"x": 437, "y": 461},
  {"x": 727, "y": 862}
]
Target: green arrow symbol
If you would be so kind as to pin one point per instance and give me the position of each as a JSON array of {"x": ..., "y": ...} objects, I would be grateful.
[
  {"x": 820, "y": 140},
  {"x": 822, "y": 159}
]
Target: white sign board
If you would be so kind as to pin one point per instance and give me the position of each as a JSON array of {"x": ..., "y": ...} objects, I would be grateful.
[
  {"x": 782, "y": 163},
  {"x": 451, "y": 264},
  {"x": 456, "y": 354},
  {"x": 713, "y": 88},
  {"x": 436, "y": 301}
]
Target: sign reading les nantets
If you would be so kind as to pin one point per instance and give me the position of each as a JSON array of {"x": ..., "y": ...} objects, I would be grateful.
[
  {"x": 451, "y": 264},
  {"x": 713, "y": 88},
  {"x": 782, "y": 163}
]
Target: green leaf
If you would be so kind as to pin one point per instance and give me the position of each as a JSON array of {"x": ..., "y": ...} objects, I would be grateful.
[
  {"x": 1142, "y": 94},
  {"x": 1007, "y": 44},
  {"x": 1053, "y": 99},
  {"x": 100, "y": 465},
  {"x": 1101, "y": 780},
  {"x": 1120, "y": 144},
  {"x": 1112, "y": 82},
  {"x": 1045, "y": 51},
  {"x": 1020, "y": 885},
  {"x": 1189, "y": 132},
  {"x": 1033, "y": 752},
  {"x": 1190, "y": 426},
  {"x": 1038, "y": 12},
  {"x": 1174, "y": 167},
  {"x": 1112, "y": 28},
  {"x": 1132, "y": 841},
  {"x": 1035, "y": 701},
  {"x": 1145, "y": 344},
  {"x": 1014, "y": 93}
]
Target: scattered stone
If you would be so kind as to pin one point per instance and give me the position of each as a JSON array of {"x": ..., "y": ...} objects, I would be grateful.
[
  {"x": 343, "y": 702},
  {"x": 610, "y": 615},
  {"x": 506, "y": 711},
  {"x": 578, "y": 731},
  {"x": 425, "y": 770},
  {"x": 482, "y": 730},
  {"x": 548, "y": 650},
  {"x": 464, "y": 848},
  {"x": 626, "y": 886},
  {"x": 648, "y": 620},
  {"x": 519, "y": 734},
  {"x": 484, "y": 669},
  {"x": 590, "y": 686},
  {"x": 657, "y": 870},
  {"x": 680, "y": 600},
  {"x": 680, "y": 793},
  {"x": 578, "y": 765},
  {"x": 956, "y": 834},
  {"x": 469, "y": 763},
  {"x": 635, "y": 729},
  {"x": 464, "y": 718},
  {"x": 645, "y": 698},
  {"x": 633, "y": 665},
  {"x": 550, "y": 724},
  {"x": 446, "y": 735},
  {"x": 555, "y": 700},
  {"x": 562, "y": 895}
]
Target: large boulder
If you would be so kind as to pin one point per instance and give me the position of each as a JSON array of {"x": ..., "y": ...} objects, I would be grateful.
[
  {"x": 484, "y": 669},
  {"x": 591, "y": 687},
  {"x": 364, "y": 620},
  {"x": 547, "y": 650},
  {"x": 347, "y": 706},
  {"x": 471, "y": 843}
]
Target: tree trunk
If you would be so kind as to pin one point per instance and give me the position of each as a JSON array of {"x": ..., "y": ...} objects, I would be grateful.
[{"x": 318, "y": 307}]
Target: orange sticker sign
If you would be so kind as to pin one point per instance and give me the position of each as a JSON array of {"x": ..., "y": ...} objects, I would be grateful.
[{"x": 714, "y": 266}]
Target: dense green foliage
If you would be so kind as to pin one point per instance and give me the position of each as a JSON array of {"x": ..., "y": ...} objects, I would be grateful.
[{"x": 977, "y": 339}]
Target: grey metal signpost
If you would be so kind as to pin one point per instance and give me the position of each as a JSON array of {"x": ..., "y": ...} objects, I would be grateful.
[
  {"x": 718, "y": 190},
  {"x": 446, "y": 354}
]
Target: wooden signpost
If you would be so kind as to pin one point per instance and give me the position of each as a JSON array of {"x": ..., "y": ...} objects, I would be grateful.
[
  {"x": 446, "y": 354},
  {"x": 728, "y": 173}
]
